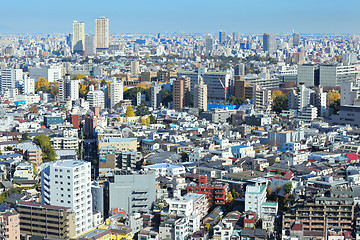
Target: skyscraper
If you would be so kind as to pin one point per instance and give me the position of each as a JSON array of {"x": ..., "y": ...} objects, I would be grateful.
[
  {"x": 296, "y": 39},
  {"x": 181, "y": 93},
  {"x": 269, "y": 42},
  {"x": 89, "y": 44},
  {"x": 78, "y": 37},
  {"x": 102, "y": 33},
  {"x": 222, "y": 37},
  {"x": 116, "y": 91},
  {"x": 208, "y": 44},
  {"x": 236, "y": 36},
  {"x": 200, "y": 96},
  {"x": 66, "y": 183}
]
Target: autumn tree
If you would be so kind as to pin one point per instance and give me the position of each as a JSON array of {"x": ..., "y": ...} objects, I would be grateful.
[
  {"x": 148, "y": 121},
  {"x": 41, "y": 84},
  {"x": 80, "y": 76},
  {"x": 332, "y": 96},
  {"x": 34, "y": 109},
  {"x": 276, "y": 94},
  {"x": 129, "y": 112},
  {"x": 280, "y": 103}
]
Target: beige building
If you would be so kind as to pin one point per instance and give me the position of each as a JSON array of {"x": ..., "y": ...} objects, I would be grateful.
[
  {"x": 102, "y": 33},
  {"x": 181, "y": 93},
  {"x": 121, "y": 144},
  {"x": 46, "y": 220},
  {"x": 78, "y": 39},
  {"x": 10, "y": 227},
  {"x": 201, "y": 96}
]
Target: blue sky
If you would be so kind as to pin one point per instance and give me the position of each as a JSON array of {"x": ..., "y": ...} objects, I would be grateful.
[{"x": 189, "y": 16}]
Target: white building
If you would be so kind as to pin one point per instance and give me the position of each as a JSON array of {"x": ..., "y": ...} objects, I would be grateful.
[
  {"x": 67, "y": 183},
  {"x": 334, "y": 75},
  {"x": 164, "y": 169},
  {"x": 68, "y": 89},
  {"x": 116, "y": 92},
  {"x": 185, "y": 227},
  {"x": 255, "y": 196},
  {"x": 9, "y": 77},
  {"x": 29, "y": 85},
  {"x": 51, "y": 73},
  {"x": 96, "y": 98},
  {"x": 134, "y": 68}
]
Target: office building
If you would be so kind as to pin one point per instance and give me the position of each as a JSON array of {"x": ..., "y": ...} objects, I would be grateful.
[
  {"x": 66, "y": 183},
  {"x": 209, "y": 44},
  {"x": 239, "y": 69},
  {"x": 68, "y": 89},
  {"x": 243, "y": 89},
  {"x": 308, "y": 74},
  {"x": 296, "y": 39},
  {"x": 236, "y": 36},
  {"x": 96, "y": 98},
  {"x": 9, "y": 77},
  {"x": 201, "y": 96},
  {"x": 134, "y": 192},
  {"x": 89, "y": 45},
  {"x": 262, "y": 98},
  {"x": 155, "y": 96},
  {"x": 51, "y": 73},
  {"x": 102, "y": 33},
  {"x": 78, "y": 38},
  {"x": 349, "y": 58},
  {"x": 134, "y": 68},
  {"x": 181, "y": 93},
  {"x": 334, "y": 75},
  {"x": 222, "y": 37},
  {"x": 269, "y": 43},
  {"x": 46, "y": 221},
  {"x": 116, "y": 91}
]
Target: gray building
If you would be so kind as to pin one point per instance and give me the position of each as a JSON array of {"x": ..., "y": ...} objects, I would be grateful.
[
  {"x": 217, "y": 115},
  {"x": 128, "y": 160},
  {"x": 269, "y": 42},
  {"x": 132, "y": 191},
  {"x": 296, "y": 39},
  {"x": 155, "y": 96}
]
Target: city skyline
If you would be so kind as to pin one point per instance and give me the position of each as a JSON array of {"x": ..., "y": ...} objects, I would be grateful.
[{"x": 189, "y": 17}]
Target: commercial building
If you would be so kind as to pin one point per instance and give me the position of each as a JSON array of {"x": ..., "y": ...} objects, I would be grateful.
[
  {"x": 46, "y": 221},
  {"x": 116, "y": 92},
  {"x": 181, "y": 93},
  {"x": 296, "y": 39},
  {"x": 78, "y": 37},
  {"x": 67, "y": 183},
  {"x": 222, "y": 37},
  {"x": 9, "y": 77},
  {"x": 209, "y": 44},
  {"x": 269, "y": 43},
  {"x": 255, "y": 196},
  {"x": 132, "y": 191},
  {"x": 334, "y": 74},
  {"x": 51, "y": 73},
  {"x": 102, "y": 33}
]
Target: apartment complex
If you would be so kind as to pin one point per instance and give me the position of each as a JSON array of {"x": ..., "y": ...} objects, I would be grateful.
[
  {"x": 102, "y": 33},
  {"x": 9, "y": 225},
  {"x": 201, "y": 96},
  {"x": 78, "y": 37},
  {"x": 66, "y": 183},
  {"x": 116, "y": 92},
  {"x": 30, "y": 151},
  {"x": 181, "y": 93},
  {"x": 46, "y": 220}
]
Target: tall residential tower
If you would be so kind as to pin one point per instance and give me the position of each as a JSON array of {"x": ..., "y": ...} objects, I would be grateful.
[
  {"x": 78, "y": 37},
  {"x": 102, "y": 33}
]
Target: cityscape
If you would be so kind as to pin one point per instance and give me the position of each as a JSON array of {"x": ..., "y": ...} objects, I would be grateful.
[{"x": 178, "y": 135}]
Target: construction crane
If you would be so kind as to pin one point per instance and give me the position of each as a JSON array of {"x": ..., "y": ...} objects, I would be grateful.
[{"x": 225, "y": 89}]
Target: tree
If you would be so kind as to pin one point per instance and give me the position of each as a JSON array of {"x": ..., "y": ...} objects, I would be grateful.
[
  {"x": 25, "y": 137},
  {"x": 48, "y": 152},
  {"x": 268, "y": 190},
  {"x": 142, "y": 109},
  {"x": 276, "y": 94},
  {"x": 287, "y": 187},
  {"x": 235, "y": 100},
  {"x": 103, "y": 83},
  {"x": 335, "y": 106},
  {"x": 41, "y": 84},
  {"x": 166, "y": 97},
  {"x": 278, "y": 172},
  {"x": 143, "y": 121},
  {"x": 132, "y": 94},
  {"x": 80, "y": 76},
  {"x": 83, "y": 89},
  {"x": 34, "y": 109},
  {"x": 152, "y": 119},
  {"x": 125, "y": 89},
  {"x": 129, "y": 112},
  {"x": 280, "y": 103},
  {"x": 147, "y": 121}
]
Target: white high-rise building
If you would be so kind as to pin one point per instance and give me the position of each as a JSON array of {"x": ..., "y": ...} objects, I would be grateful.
[
  {"x": 116, "y": 92},
  {"x": 255, "y": 196},
  {"x": 9, "y": 77},
  {"x": 29, "y": 85},
  {"x": 96, "y": 98},
  {"x": 68, "y": 89},
  {"x": 51, "y": 73},
  {"x": 134, "y": 68},
  {"x": 201, "y": 96},
  {"x": 78, "y": 37},
  {"x": 67, "y": 183}
]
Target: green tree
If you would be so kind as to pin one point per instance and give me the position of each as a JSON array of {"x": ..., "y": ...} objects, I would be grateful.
[
  {"x": 25, "y": 137},
  {"x": 131, "y": 93},
  {"x": 48, "y": 152},
  {"x": 142, "y": 109},
  {"x": 103, "y": 83},
  {"x": 280, "y": 103},
  {"x": 129, "y": 112},
  {"x": 335, "y": 106},
  {"x": 278, "y": 172},
  {"x": 152, "y": 119},
  {"x": 166, "y": 97},
  {"x": 287, "y": 187},
  {"x": 236, "y": 101}
]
